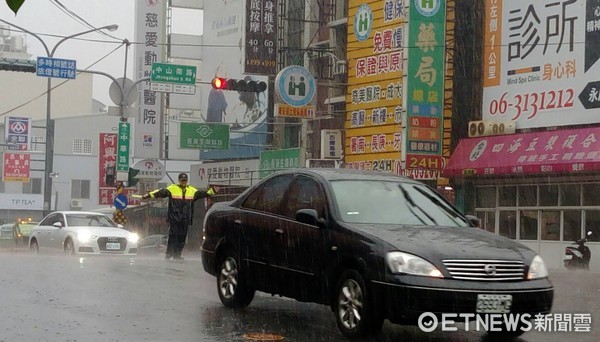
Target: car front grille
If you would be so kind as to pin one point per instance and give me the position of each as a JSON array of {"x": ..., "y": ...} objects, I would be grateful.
[
  {"x": 104, "y": 240},
  {"x": 485, "y": 270}
]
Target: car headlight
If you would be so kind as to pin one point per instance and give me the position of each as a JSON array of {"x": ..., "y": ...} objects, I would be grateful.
[
  {"x": 133, "y": 237},
  {"x": 85, "y": 236},
  {"x": 400, "y": 262},
  {"x": 537, "y": 269}
]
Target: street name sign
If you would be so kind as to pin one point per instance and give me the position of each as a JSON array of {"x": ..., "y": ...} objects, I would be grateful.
[
  {"x": 173, "y": 78},
  {"x": 123, "y": 147}
]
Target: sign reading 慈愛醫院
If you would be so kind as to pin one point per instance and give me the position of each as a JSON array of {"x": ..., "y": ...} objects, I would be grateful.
[
  {"x": 540, "y": 65},
  {"x": 150, "y": 27}
]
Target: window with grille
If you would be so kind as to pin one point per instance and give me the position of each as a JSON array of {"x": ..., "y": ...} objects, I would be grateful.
[
  {"x": 82, "y": 146},
  {"x": 38, "y": 144},
  {"x": 80, "y": 188}
]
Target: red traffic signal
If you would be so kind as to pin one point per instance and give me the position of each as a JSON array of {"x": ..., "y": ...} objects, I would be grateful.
[
  {"x": 219, "y": 83},
  {"x": 238, "y": 85}
]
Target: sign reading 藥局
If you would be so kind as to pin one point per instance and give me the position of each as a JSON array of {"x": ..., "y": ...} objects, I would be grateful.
[
  {"x": 16, "y": 167},
  {"x": 541, "y": 62}
]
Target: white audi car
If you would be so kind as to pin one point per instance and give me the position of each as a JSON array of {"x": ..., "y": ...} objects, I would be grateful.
[{"x": 81, "y": 232}]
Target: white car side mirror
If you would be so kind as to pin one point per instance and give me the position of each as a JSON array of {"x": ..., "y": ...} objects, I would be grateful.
[{"x": 57, "y": 224}]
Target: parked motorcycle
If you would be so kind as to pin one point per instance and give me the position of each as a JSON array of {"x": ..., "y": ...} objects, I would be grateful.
[{"x": 578, "y": 257}]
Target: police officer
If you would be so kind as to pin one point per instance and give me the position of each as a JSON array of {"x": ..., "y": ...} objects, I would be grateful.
[{"x": 181, "y": 210}]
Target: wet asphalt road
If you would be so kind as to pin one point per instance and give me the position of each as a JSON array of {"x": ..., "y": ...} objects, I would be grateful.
[{"x": 58, "y": 298}]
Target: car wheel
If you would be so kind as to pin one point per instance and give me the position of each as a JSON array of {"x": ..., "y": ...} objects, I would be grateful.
[
  {"x": 34, "y": 247},
  {"x": 354, "y": 312},
  {"x": 233, "y": 291},
  {"x": 69, "y": 247}
]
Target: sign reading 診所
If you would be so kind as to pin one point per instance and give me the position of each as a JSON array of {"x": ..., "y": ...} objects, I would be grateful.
[
  {"x": 193, "y": 135},
  {"x": 261, "y": 37}
]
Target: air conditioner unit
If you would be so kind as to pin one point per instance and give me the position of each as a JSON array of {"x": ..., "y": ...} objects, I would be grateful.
[
  {"x": 76, "y": 204},
  {"x": 485, "y": 128}
]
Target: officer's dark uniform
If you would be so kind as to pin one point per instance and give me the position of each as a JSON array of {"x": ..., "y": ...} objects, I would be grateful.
[{"x": 181, "y": 210}]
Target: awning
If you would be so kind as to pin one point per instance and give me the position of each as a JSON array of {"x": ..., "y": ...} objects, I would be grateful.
[{"x": 560, "y": 151}]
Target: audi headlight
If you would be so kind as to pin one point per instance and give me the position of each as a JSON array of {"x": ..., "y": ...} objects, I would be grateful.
[
  {"x": 400, "y": 262},
  {"x": 85, "y": 236},
  {"x": 537, "y": 269},
  {"x": 133, "y": 237}
]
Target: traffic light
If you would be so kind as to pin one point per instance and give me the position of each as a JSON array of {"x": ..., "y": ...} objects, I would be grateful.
[
  {"x": 21, "y": 65},
  {"x": 131, "y": 180},
  {"x": 248, "y": 86}
]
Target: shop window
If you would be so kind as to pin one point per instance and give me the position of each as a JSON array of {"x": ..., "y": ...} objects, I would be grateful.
[
  {"x": 529, "y": 225},
  {"x": 548, "y": 195},
  {"x": 571, "y": 225},
  {"x": 486, "y": 197},
  {"x": 592, "y": 223},
  {"x": 570, "y": 194},
  {"x": 507, "y": 225},
  {"x": 508, "y": 196},
  {"x": 591, "y": 194},
  {"x": 550, "y": 225},
  {"x": 527, "y": 196},
  {"x": 488, "y": 220}
]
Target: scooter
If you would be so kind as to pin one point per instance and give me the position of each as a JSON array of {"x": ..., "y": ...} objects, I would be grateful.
[{"x": 578, "y": 257}]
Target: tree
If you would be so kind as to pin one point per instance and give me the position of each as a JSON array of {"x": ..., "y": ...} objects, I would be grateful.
[{"x": 14, "y": 5}]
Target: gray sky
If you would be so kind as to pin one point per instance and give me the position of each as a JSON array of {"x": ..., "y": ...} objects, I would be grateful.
[{"x": 43, "y": 17}]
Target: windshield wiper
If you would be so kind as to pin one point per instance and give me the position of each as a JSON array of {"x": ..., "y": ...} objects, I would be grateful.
[
  {"x": 412, "y": 205},
  {"x": 453, "y": 215}
]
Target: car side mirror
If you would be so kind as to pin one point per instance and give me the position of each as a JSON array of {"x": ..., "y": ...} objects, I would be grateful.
[
  {"x": 120, "y": 226},
  {"x": 474, "y": 221},
  {"x": 589, "y": 233},
  {"x": 309, "y": 216},
  {"x": 57, "y": 224}
]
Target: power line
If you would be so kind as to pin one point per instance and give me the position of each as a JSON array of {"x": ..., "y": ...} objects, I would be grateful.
[
  {"x": 58, "y": 85},
  {"x": 79, "y": 19}
]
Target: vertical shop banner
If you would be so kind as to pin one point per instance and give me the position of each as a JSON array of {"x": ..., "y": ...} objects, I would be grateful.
[
  {"x": 107, "y": 157},
  {"x": 425, "y": 93},
  {"x": 541, "y": 62},
  {"x": 261, "y": 37},
  {"x": 150, "y": 27},
  {"x": 17, "y": 133},
  {"x": 375, "y": 84},
  {"x": 16, "y": 167}
]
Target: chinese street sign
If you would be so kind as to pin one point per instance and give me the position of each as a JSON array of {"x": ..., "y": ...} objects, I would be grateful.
[
  {"x": 123, "y": 147},
  {"x": 193, "y": 135},
  {"x": 56, "y": 67}
]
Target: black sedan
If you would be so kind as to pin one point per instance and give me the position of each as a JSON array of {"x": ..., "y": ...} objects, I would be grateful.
[{"x": 373, "y": 246}]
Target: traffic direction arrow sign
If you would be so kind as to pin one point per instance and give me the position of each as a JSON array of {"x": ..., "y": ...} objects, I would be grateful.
[{"x": 590, "y": 95}]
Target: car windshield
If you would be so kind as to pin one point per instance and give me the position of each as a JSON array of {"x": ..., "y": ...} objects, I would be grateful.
[
  {"x": 89, "y": 220},
  {"x": 389, "y": 202}
]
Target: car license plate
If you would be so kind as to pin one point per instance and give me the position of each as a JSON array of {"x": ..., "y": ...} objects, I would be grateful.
[
  {"x": 493, "y": 303},
  {"x": 113, "y": 246},
  {"x": 568, "y": 257}
]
